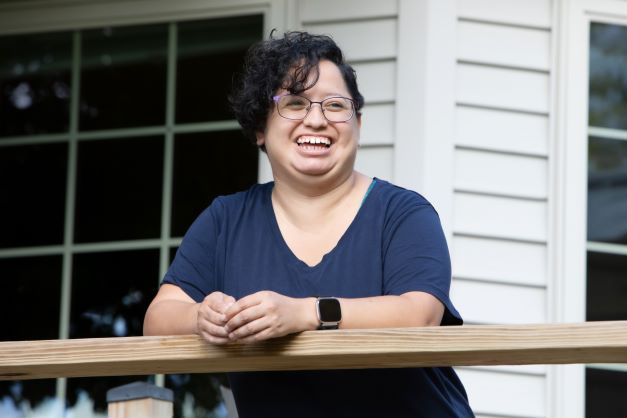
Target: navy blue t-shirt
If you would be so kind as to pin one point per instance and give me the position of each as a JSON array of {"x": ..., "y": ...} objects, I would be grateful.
[{"x": 394, "y": 245}]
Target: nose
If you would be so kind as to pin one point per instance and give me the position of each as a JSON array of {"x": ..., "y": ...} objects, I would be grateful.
[{"x": 315, "y": 117}]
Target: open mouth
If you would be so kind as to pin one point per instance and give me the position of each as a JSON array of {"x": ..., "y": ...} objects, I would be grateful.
[{"x": 313, "y": 141}]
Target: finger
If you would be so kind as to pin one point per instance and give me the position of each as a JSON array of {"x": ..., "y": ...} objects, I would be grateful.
[
  {"x": 213, "y": 339},
  {"x": 208, "y": 314},
  {"x": 244, "y": 317},
  {"x": 263, "y": 335},
  {"x": 212, "y": 329},
  {"x": 219, "y": 302},
  {"x": 242, "y": 304},
  {"x": 249, "y": 329}
]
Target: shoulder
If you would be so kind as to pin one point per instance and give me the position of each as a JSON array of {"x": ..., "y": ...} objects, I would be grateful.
[
  {"x": 228, "y": 204},
  {"x": 232, "y": 206},
  {"x": 395, "y": 199}
]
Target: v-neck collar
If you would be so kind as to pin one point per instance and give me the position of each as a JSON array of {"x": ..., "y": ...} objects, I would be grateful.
[{"x": 282, "y": 246}]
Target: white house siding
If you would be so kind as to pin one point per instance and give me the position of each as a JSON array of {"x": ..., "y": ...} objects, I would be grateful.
[
  {"x": 367, "y": 31},
  {"x": 500, "y": 186}
]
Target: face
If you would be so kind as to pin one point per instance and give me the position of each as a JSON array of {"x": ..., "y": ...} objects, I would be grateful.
[{"x": 313, "y": 147}]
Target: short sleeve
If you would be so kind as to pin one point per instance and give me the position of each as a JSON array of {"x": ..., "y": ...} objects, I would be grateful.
[
  {"x": 193, "y": 267},
  {"x": 416, "y": 256}
]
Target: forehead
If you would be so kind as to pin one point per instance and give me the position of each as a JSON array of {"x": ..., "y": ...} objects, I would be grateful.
[{"x": 326, "y": 78}]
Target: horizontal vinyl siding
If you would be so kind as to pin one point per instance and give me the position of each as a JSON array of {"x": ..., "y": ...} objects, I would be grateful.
[
  {"x": 504, "y": 394},
  {"x": 503, "y": 45},
  {"x": 367, "y": 32},
  {"x": 501, "y": 130},
  {"x": 530, "y": 13},
  {"x": 500, "y": 183}
]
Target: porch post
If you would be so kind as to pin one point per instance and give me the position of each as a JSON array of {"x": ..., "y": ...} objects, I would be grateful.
[{"x": 140, "y": 400}]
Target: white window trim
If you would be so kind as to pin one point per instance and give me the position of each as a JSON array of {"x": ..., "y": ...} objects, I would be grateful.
[
  {"x": 569, "y": 184},
  {"x": 31, "y": 16}
]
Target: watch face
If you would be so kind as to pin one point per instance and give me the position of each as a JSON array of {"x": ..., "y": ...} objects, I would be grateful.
[{"x": 330, "y": 310}]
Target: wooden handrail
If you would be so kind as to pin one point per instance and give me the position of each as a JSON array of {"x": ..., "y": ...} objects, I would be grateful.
[{"x": 591, "y": 342}]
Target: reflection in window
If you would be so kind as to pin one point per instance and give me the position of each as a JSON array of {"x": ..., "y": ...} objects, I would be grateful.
[
  {"x": 87, "y": 396},
  {"x": 124, "y": 283},
  {"x": 608, "y": 82},
  {"x": 119, "y": 188},
  {"x": 197, "y": 395},
  {"x": 34, "y": 283},
  {"x": 607, "y": 287},
  {"x": 207, "y": 165},
  {"x": 123, "y": 77},
  {"x": 209, "y": 53},
  {"x": 35, "y": 83},
  {"x": 607, "y": 190},
  {"x": 19, "y": 398},
  {"x": 605, "y": 394},
  {"x": 32, "y": 194}
]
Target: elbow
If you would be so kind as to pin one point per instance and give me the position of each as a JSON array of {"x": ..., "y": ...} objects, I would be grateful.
[{"x": 149, "y": 322}]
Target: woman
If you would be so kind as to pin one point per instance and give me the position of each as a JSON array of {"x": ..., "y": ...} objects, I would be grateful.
[{"x": 321, "y": 247}]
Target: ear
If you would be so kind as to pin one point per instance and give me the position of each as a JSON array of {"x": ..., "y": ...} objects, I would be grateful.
[
  {"x": 261, "y": 139},
  {"x": 359, "y": 120}
]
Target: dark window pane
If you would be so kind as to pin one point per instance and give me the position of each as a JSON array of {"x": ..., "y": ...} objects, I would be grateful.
[
  {"x": 118, "y": 191},
  {"x": 32, "y": 194},
  {"x": 111, "y": 292},
  {"x": 32, "y": 285},
  {"x": 608, "y": 83},
  {"x": 83, "y": 392},
  {"x": 173, "y": 253},
  {"x": 607, "y": 190},
  {"x": 35, "y": 83},
  {"x": 209, "y": 53},
  {"x": 207, "y": 165},
  {"x": 123, "y": 77},
  {"x": 26, "y": 395},
  {"x": 196, "y": 395},
  {"x": 605, "y": 393},
  {"x": 607, "y": 287}
]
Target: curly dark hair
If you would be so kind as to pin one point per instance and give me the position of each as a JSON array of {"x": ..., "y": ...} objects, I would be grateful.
[{"x": 287, "y": 63}]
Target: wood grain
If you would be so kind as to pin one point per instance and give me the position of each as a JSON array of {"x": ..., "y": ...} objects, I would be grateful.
[{"x": 592, "y": 342}]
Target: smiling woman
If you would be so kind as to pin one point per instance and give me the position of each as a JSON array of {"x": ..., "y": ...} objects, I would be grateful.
[{"x": 321, "y": 247}]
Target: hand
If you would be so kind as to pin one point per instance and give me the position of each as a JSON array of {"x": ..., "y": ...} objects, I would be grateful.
[
  {"x": 211, "y": 317},
  {"x": 267, "y": 314}
]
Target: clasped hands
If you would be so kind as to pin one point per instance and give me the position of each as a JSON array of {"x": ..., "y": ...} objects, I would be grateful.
[{"x": 257, "y": 317}]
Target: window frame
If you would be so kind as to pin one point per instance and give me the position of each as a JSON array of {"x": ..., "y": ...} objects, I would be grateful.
[
  {"x": 569, "y": 178},
  {"x": 38, "y": 16}
]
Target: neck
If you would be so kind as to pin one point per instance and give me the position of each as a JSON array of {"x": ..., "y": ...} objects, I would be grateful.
[{"x": 307, "y": 204}]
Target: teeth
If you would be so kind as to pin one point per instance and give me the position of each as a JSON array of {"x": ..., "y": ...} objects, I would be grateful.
[{"x": 313, "y": 140}]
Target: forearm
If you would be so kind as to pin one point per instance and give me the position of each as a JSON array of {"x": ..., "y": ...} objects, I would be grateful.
[
  {"x": 171, "y": 317},
  {"x": 409, "y": 310}
]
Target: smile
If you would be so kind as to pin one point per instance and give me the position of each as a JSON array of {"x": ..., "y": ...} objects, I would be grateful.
[{"x": 313, "y": 141}]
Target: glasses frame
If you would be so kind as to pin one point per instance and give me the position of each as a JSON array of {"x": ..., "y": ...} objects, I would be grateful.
[{"x": 276, "y": 99}]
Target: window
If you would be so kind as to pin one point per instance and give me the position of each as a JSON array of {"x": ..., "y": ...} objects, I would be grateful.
[
  {"x": 112, "y": 140},
  {"x": 607, "y": 207}
]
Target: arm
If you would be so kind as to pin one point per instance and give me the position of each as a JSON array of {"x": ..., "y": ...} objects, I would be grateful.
[
  {"x": 266, "y": 314},
  {"x": 172, "y": 311}
]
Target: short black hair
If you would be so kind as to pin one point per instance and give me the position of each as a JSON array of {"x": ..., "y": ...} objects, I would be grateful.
[{"x": 284, "y": 62}]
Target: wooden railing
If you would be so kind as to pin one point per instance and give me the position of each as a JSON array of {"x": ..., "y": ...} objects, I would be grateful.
[{"x": 594, "y": 342}]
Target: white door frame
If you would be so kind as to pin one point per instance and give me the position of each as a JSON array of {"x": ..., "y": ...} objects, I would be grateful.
[{"x": 569, "y": 179}]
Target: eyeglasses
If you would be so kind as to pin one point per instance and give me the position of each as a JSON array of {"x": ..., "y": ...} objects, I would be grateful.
[{"x": 334, "y": 109}]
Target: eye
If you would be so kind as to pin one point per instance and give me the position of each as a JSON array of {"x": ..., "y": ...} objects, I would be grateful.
[
  {"x": 336, "y": 104},
  {"x": 295, "y": 102}
]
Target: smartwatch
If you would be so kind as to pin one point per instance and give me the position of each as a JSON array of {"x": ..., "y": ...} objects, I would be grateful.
[{"x": 329, "y": 313}]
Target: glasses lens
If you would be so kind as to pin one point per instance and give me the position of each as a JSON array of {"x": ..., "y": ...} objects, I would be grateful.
[
  {"x": 335, "y": 109},
  {"x": 293, "y": 107}
]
